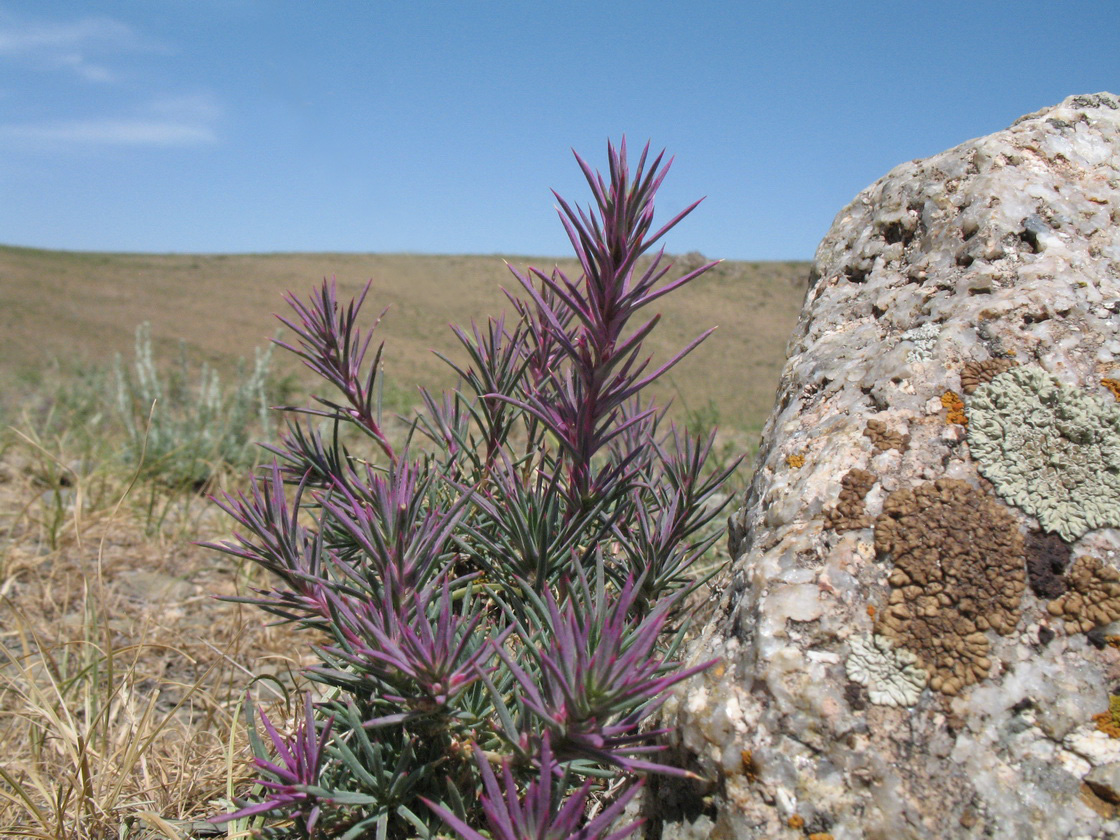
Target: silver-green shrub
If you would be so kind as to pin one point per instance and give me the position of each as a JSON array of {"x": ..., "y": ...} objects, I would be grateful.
[{"x": 182, "y": 427}]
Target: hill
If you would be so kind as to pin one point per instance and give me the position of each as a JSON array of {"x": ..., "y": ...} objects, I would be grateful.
[{"x": 82, "y": 308}]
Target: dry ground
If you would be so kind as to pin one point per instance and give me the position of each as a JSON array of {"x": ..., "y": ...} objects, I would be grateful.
[{"x": 121, "y": 675}]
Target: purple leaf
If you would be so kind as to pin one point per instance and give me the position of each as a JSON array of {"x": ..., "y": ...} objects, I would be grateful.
[
  {"x": 540, "y": 814},
  {"x": 298, "y": 766}
]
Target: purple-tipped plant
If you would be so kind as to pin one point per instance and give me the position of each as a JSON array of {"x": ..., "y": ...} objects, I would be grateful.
[
  {"x": 330, "y": 342},
  {"x": 393, "y": 527},
  {"x": 542, "y": 813},
  {"x": 292, "y": 778},
  {"x": 504, "y": 595},
  {"x": 597, "y": 672},
  {"x": 421, "y": 653},
  {"x": 596, "y": 368}
]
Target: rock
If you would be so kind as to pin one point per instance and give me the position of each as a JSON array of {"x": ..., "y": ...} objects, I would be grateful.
[
  {"x": 978, "y": 274},
  {"x": 1105, "y": 782},
  {"x": 157, "y": 587}
]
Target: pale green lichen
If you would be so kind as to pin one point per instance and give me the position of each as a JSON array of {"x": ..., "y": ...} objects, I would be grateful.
[
  {"x": 923, "y": 340},
  {"x": 1049, "y": 449},
  {"x": 891, "y": 674}
]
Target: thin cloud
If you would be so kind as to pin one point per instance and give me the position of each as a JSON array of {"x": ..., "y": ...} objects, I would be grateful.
[
  {"x": 170, "y": 121},
  {"x": 83, "y": 47},
  {"x": 74, "y": 46},
  {"x": 111, "y": 132},
  {"x": 200, "y": 107}
]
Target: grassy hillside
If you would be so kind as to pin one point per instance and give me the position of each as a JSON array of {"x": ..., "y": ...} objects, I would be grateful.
[{"x": 85, "y": 307}]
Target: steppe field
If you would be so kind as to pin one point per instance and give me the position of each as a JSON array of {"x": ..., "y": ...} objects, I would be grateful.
[
  {"x": 121, "y": 676},
  {"x": 81, "y": 308}
]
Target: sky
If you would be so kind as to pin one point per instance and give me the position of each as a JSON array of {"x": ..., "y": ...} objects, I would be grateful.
[{"x": 222, "y": 126}]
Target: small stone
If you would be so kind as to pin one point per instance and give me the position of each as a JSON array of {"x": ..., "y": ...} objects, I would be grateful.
[{"x": 1105, "y": 782}]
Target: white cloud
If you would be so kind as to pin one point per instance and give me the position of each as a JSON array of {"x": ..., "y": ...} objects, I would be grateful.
[
  {"x": 18, "y": 37},
  {"x": 76, "y": 46},
  {"x": 169, "y": 121},
  {"x": 199, "y": 107},
  {"x": 84, "y": 48},
  {"x": 111, "y": 132}
]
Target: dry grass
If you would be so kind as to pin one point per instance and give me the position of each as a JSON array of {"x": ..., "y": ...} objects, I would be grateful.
[{"x": 120, "y": 674}]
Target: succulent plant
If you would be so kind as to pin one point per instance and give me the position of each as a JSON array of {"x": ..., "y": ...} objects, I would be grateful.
[
  {"x": 502, "y": 594},
  {"x": 291, "y": 778}
]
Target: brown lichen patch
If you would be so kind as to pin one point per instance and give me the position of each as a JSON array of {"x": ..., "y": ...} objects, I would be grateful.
[
  {"x": 1048, "y": 555},
  {"x": 1109, "y": 722},
  {"x": 958, "y": 571},
  {"x": 795, "y": 461},
  {"x": 1113, "y": 385},
  {"x": 796, "y": 822},
  {"x": 1093, "y": 596},
  {"x": 954, "y": 408},
  {"x": 850, "y": 513},
  {"x": 883, "y": 438},
  {"x": 949, "y": 646},
  {"x": 975, "y": 374}
]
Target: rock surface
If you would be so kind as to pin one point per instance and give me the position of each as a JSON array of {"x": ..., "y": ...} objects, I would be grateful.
[{"x": 973, "y": 707}]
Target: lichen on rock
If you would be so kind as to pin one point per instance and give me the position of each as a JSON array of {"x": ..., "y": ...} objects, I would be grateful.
[
  {"x": 1109, "y": 722},
  {"x": 1093, "y": 596},
  {"x": 923, "y": 340},
  {"x": 1048, "y": 555},
  {"x": 892, "y": 675},
  {"x": 950, "y": 646},
  {"x": 884, "y": 438},
  {"x": 954, "y": 408},
  {"x": 1004, "y": 248},
  {"x": 975, "y": 374},
  {"x": 958, "y": 571},
  {"x": 1051, "y": 450},
  {"x": 850, "y": 513}
]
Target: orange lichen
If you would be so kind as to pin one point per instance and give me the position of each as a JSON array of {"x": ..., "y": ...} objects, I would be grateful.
[
  {"x": 795, "y": 461},
  {"x": 796, "y": 822},
  {"x": 871, "y": 610},
  {"x": 1112, "y": 385},
  {"x": 1109, "y": 722},
  {"x": 750, "y": 769},
  {"x": 954, "y": 407},
  {"x": 820, "y": 835}
]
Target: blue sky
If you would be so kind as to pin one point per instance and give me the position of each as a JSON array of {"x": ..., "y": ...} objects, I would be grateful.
[{"x": 440, "y": 127}]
